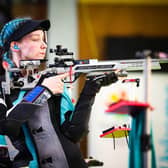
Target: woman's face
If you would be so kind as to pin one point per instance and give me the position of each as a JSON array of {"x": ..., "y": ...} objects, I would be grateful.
[{"x": 33, "y": 46}]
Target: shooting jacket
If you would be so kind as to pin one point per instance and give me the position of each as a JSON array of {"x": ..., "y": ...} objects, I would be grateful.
[{"x": 54, "y": 129}]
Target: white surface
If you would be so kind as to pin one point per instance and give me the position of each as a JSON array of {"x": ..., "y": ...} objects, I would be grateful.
[{"x": 102, "y": 148}]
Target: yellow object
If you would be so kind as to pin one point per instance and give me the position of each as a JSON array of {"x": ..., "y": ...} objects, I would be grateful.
[
  {"x": 116, "y": 133},
  {"x": 126, "y": 2}
]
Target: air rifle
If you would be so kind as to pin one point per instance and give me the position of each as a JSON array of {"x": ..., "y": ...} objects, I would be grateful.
[{"x": 64, "y": 62}]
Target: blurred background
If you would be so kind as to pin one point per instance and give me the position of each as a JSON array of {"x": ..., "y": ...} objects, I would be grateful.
[{"x": 106, "y": 30}]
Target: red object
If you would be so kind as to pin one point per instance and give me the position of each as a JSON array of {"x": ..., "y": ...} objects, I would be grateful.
[
  {"x": 5, "y": 65},
  {"x": 127, "y": 107},
  {"x": 129, "y": 80},
  {"x": 70, "y": 74},
  {"x": 116, "y": 133},
  {"x": 73, "y": 100}
]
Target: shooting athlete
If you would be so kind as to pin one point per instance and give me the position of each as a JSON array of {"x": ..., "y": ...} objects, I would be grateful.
[{"x": 49, "y": 134}]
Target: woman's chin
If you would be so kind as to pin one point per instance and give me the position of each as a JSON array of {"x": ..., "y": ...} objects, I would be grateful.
[{"x": 41, "y": 57}]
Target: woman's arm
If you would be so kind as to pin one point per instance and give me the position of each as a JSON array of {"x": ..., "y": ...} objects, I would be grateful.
[{"x": 76, "y": 127}]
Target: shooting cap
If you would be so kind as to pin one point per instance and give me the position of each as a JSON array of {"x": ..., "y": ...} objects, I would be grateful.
[{"x": 15, "y": 29}]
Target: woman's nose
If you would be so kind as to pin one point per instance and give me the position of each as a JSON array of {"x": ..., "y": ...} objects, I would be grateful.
[{"x": 43, "y": 45}]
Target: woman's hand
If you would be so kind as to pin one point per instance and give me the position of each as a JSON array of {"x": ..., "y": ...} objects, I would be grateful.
[{"x": 55, "y": 83}]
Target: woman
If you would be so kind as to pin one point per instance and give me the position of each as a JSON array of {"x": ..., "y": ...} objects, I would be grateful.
[{"x": 52, "y": 132}]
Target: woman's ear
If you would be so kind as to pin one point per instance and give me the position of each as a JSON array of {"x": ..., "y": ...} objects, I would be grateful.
[{"x": 14, "y": 46}]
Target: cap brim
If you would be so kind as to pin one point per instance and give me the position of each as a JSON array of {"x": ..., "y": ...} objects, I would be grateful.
[{"x": 40, "y": 24}]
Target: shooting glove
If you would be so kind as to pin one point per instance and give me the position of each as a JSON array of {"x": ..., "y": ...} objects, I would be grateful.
[{"x": 94, "y": 83}]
